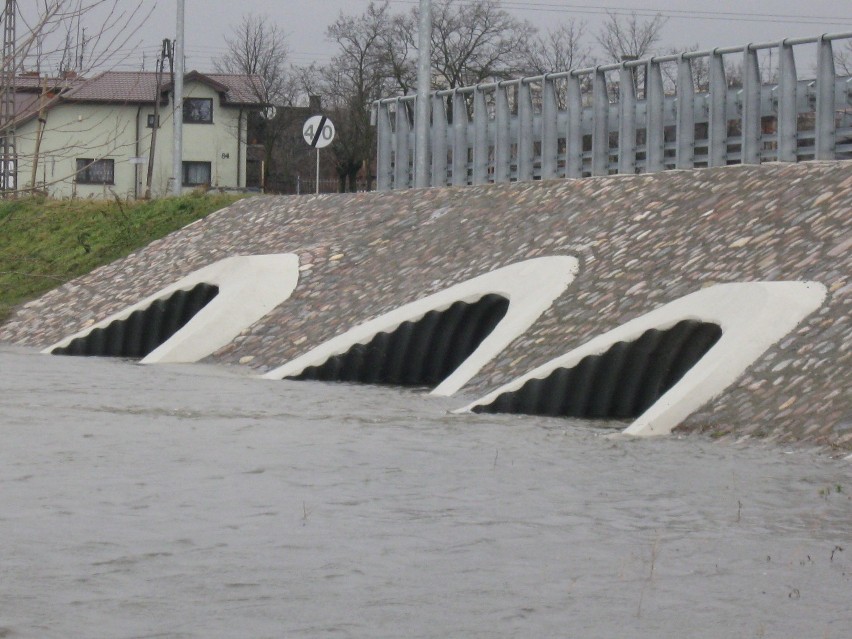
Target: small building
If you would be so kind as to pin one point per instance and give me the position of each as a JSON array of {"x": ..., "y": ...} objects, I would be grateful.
[{"x": 79, "y": 137}]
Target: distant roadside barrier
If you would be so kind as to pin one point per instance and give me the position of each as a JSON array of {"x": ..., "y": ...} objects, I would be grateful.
[{"x": 734, "y": 105}]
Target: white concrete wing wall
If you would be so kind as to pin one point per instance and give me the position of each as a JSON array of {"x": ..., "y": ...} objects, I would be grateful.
[
  {"x": 752, "y": 316},
  {"x": 530, "y": 286},
  {"x": 249, "y": 287}
]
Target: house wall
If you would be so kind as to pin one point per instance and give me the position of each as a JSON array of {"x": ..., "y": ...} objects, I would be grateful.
[
  {"x": 79, "y": 131},
  {"x": 120, "y": 132},
  {"x": 216, "y": 143}
]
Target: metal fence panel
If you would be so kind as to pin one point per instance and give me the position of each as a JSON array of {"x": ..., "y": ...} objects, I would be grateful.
[{"x": 672, "y": 111}]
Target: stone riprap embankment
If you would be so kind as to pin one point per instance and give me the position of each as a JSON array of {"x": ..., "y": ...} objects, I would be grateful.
[{"x": 642, "y": 241}]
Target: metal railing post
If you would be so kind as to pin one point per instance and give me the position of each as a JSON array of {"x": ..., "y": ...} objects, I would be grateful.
[
  {"x": 401, "y": 160},
  {"x": 502, "y": 148},
  {"x": 525, "y": 132},
  {"x": 574, "y": 134},
  {"x": 751, "y": 130},
  {"x": 600, "y": 132},
  {"x": 685, "y": 158},
  {"x": 459, "y": 139},
  {"x": 787, "y": 111},
  {"x": 549, "y": 132},
  {"x": 480, "y": 137},
  {"x": 439, "y": 141},
  {"x": 626, "y": 120},
  {"x": 717, "y": 127},
  {"x": 655, "y": 128},
  {"x": 385, "y": 135},
  {"x": 825, "y": 127}
]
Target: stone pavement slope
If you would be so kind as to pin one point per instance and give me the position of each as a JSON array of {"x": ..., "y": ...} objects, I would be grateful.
[{"x": 642, "y": 241}]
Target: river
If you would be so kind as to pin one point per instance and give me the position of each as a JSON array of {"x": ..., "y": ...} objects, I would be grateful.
[{"x": 197, "y": 501}]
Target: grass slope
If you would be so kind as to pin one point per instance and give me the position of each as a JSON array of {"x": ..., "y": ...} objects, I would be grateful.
[{"x": 44, "y": 243}]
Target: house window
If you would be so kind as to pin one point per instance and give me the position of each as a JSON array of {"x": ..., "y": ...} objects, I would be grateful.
[
  {"x": 198, "y": 110},
  {"x": 196, "y": 173},
  {"x": 12, "y": 167},
  {"x": 91, "y": 171},
  {"x": 153, "y": 118}
]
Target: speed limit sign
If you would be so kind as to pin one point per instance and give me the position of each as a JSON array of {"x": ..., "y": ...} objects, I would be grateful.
[{"x": 318, "y": 131}]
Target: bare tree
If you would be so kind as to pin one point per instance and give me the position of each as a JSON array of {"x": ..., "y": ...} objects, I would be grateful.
[
  {"x": 629, "y": 37},
  {"x": 472, "y": 41},
  {"x": 560, "y": 49},
  {"x": 258, "y": 48},
  {"x": 476, "y": 41},
  {"x": 355, "y": 77},
  {"x": 843, "y": 59},
  {"x": 77, "y": 35},
  {"x": 398, "y": 52}
]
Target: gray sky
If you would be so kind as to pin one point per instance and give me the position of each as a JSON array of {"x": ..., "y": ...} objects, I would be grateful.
[
  {"x": 690, "y": 22},
  {"x": 708, "y": 24}
]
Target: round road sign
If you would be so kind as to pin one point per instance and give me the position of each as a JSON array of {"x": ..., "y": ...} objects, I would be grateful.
[{"x": 318, "y": 131}]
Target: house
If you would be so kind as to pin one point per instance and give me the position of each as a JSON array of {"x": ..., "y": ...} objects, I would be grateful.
[{"x": 79, "y": 137}]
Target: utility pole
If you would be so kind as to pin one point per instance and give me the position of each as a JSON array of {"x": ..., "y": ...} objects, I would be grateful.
[
  {"x": 7, "y": 100},
  {"x": 424, "y": 84},
  {"x": 42, "y": 121},
  {"x": 177, "y": 155},
  {"x": 166, "y": 53}
]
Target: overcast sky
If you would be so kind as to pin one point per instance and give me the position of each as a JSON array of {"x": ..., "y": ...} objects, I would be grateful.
[{"x": 705, "y": 23}]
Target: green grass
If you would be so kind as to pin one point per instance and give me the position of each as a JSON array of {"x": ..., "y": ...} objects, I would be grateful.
[{"x": 44, "y": 243}]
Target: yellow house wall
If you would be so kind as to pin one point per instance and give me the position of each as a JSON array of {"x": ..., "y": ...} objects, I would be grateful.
[{"x": 109, "y": 131}]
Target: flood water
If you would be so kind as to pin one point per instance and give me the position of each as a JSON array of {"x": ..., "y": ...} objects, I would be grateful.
[{"x": 195, "y": 501}]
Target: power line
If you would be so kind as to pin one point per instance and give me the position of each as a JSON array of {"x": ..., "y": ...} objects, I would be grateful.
[{"x": 685, "y": 14}]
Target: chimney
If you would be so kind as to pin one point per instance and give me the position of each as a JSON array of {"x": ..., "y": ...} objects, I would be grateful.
[{"x": 315, "y": 103}]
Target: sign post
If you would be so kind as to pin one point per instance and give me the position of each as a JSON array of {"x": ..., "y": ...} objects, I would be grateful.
[{"x": 318, "y": 132}]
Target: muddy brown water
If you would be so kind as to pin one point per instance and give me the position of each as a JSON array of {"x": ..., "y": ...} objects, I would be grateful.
[{"x": 195, "y": 501}]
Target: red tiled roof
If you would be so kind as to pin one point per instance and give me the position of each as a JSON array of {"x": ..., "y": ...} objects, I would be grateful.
[
  {"x": 116, "y": 86},
  {"x": 126, "y": 87},
  {"x": 141, "y": 87},
  {"x": 34, "y": 83}
]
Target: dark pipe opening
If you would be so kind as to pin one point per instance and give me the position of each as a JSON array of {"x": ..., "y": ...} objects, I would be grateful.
[
  {"x": 145, "y": 329},
  {"x": 621, "y": 383},
  {"x": 421, "y": 353}
]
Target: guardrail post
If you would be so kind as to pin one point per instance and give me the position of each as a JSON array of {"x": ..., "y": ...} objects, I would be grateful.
[
  {"x": 480, "y": 137},
  {"x": 654, "y": 131},
  {"x": 439, "y": 141},
  {"x": 459, "y": 139},
  {"x": 626, "y": 120},
  {"x": 600, "y": 132},
  {"x": 685, "y": 158},
  {"x": 383, "y": 160},
  {"x": 751, "y": 130},
  {"x": 400, "y": 172},
  {"x": 825, "y": 127},
  {"x": 549, "y": 133},
  {"x": 502, "y": 148},
  {"x": 574, "y": 134},
  {"x": 525, "y": 132},
  {"x": 717, "y": 129},
  {"x": 787, "y": 111}
]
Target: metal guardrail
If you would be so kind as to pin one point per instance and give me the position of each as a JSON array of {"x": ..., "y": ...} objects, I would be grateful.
[{"x": 585, "y": 122}]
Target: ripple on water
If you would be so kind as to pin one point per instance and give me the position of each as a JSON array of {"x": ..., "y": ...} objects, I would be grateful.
[{"x": 190, "y": 502}]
